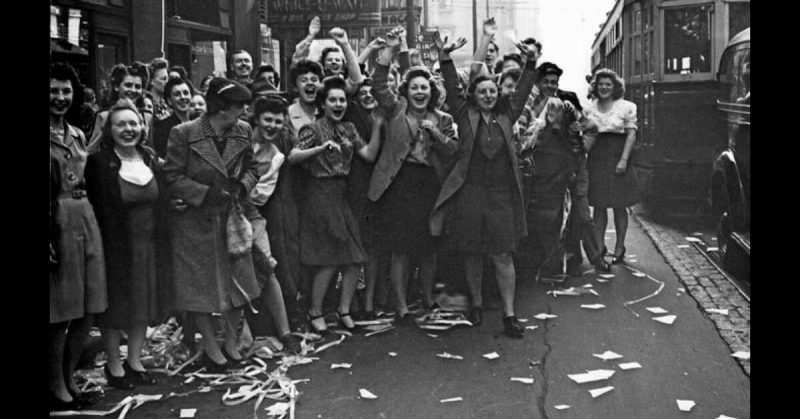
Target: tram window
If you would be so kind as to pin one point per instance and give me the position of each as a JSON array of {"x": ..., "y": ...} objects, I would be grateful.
[
  {"x": 687, "y": 40},
  {"x": 738, "y": 18}
]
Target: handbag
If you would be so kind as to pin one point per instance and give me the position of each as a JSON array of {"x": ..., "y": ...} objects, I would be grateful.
[{"x": 239, "y": 230}]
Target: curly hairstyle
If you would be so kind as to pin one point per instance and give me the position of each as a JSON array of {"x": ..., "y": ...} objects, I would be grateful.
[
  {"x": 106, "y": 140},
  {"x": 619, "y": 83},
  {"x": 176, "y": 81},
  {"x": 514, "y": 73},
  {"x": 474, "y": 85},
  {"x": 423, "y": 72},
  {"x": 120, "y": 71},
  {"x": 329, "y": 83},
  {"x": 325, "y": 53},
  {"x": 302, "y": 67},
  {"x": 65, "y": 72},
  {"x": 269, "y": 68},
  {"x": 272, "y": 103}
]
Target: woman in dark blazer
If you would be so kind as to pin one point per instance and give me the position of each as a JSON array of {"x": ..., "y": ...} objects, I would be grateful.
[
  {"x": 121, "y": 185},
  {"x": 409, "y": 173},
  {"x": 480, "y": 207}
]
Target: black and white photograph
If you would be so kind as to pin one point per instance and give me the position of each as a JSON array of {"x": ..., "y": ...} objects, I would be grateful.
[{"x": 399, "y": 209}]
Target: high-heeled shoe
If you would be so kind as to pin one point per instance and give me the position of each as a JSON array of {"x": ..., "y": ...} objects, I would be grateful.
[
  {"x": 122, "y": 383},
  {"x": 513, "y": 327},
  {"x": 346, "y": 320},
  {"x": 139, "y": 377},
  {"x": 618, "y": 257},
  {"x": 318, "y": 323}
]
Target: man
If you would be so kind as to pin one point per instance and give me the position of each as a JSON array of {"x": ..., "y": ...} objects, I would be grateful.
[
  {"x": 178, "y": 95},
  {"x": 241, "y": 65},
  {"x": 492, "y": 52},
  {"x": 548, "y": 126}
]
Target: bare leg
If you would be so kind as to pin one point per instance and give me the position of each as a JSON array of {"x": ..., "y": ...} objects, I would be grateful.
[
  {"x": 231, "y": 320},
  {"x": 506, "y": 280},
  {"x": 58, "y": 338},
  {"x": 205, "y": 327},
  {"x": 77, "y": 335},
  {"x": 600, "y": 222},
  {"x": 621, "y": 225},
  {"x": 274, "y": 301},
  {"x": 427, "y": 272},
  {"x": 400, "y": 281},
  {"x": 370, "y": 277},
  {"x": 319, "y": 287},
  {"x": 111, "y": 339},
  {"x": 349, "y": 282},
  {"x": 136, "y": 338},
  {"x": 473, "y": 266}
]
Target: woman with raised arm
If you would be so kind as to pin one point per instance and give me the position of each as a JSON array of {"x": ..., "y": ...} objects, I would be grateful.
[
  {"x": 480, "y": 208},
  {"x": 409, "y": 173},
  {"x": 329, "y": 235}
]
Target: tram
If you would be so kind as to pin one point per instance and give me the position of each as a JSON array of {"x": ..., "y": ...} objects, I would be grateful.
[{"x": 668, "y": 53}]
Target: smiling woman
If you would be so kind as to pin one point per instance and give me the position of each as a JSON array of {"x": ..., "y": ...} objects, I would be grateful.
[{"x": 178, "y": 93}]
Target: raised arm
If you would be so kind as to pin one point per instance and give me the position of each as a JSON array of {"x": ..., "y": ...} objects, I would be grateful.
[
  {"x": 453, "y": 100},
  {"x": 375, "y": 45},
  {"x": 351, "y": 61},
  {"x": 477, "y": 67},
  {"x": 519, "y": 98},
  {"x": 302, "y": 49},
  {"x": 380, "y": 78}
]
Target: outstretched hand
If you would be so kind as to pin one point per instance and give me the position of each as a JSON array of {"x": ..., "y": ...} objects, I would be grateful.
[
  {"x": 377, "y": 43},
  {"x": 489, "y": 27},
  {"x": 445, "y": 46},
  {"x": 314, "y": 26},
  {"x": 339, "y": 35},
  {"x": 529, "y": 50}
]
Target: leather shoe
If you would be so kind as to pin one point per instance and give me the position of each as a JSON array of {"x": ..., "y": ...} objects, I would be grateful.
[
  {"x": 475, "y": 315},
  {"x": 291, "y": 344},
  {"x": 513, "y": 327},
  {"x": 600, "y": 265},
  {"x": 122, "y": 383},
  {"x": 139, "y": 377},
  {"x": 214, "y": 368}
]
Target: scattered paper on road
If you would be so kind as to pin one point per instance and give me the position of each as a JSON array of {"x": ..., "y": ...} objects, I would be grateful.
[
  {"x": 683, "y": 246},
  {"x": 561, "y": 406},
  {"x": 392, "y": 353},
  {"x": 741, "y": 355},
  {"x": 657, "y": 310},
  {"x": 329, "y": 344},
  {"x": 343, "y": 365},
  {"x": 544, "y": 316},
  {"x": 666, "y": 319},
  {"x": 447, "y": 355},
  {"x": 712, "y": 249},
  {"x": 491, "y": 355},
  {"x": 278, "y": 409},
  {"x": 588, "y": 286},
  {"x": 454, "y": 399},
  {"x": 523, "y": 380},
  {"x": 531, "y": 327},
  {"x": 606, "y": 276},
  {"x": 589, "y": 376},
  {"x": 693, "y": 239},
  {"x": 188, "y": 413},
  {"x": 385, "y": 329},
  {"x": 608, "y": 355},
  {"x": 723, "y": 311},
  {"x": 600, "y": 391},
  {"x": 372, "y": 322},
  {"x": 724, "y": 417},
  {"x": 366, "y": 394},
  {"x": 629, "y": 365},
  {"x": 603, "y": 281},
  {"x": 524, "y": 320},
  {"x": 571, "y": 291},
  {"x": 593, "y": 306},
  {"x": 685, "y": 405},
  {"x": 639, "y": 274},
  {"x": 432, "y": 335}
]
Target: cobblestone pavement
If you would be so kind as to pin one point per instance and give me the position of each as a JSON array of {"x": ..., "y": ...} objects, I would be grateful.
[{"x": 703, "y": 282}]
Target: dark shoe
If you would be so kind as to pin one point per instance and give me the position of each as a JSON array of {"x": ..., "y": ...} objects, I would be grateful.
[
  {"x": 139, "y": 377},
  {"x": 513, "y": 327},
  {"x": 85, "y": 399},
  {"x": 231, "y": 360},
  {"x": 600, "y": 265},
  {"x": 346, "y": 320},
  {"x": 58, "y": 405},
  {"x": 619, "y": 257},
  {"x": 318, "y": 323},
  {"x": 475, "y": 315},
  {"x": 122, "y": 383},
  {"x": 214, "y": 368},
  {"x": 405, "y": 320},
  {"x": 291, "y": 344}
]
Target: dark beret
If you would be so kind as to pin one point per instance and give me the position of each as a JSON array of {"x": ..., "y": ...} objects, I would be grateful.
[{"x": 228, "y": 90}]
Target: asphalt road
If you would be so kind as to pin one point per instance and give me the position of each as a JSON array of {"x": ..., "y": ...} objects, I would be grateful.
[{"x": 686, "y": 360}]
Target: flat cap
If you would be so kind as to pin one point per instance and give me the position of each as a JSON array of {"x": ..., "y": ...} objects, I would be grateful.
[{"x": 549, "y": 68}]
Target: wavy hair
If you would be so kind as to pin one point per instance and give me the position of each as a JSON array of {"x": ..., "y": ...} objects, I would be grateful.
[
  {"x": 423, "y": 72},
  {"x": 619, "y": 83},
  {"x": 106, "y": 140},
  {"x": 329, "y": 83}
]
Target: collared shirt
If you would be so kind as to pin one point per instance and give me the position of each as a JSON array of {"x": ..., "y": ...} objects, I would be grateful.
[
  {"x": 269, "y": 160},
  {"x": 298, "y": 118},
  {"x": 620, "y": 117},
  {"x": 330, "y": 163}
]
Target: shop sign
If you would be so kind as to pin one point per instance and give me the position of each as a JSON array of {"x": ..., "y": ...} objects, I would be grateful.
[{"x": 344, "y": 13}]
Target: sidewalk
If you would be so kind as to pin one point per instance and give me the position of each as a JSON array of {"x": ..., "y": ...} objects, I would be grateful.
[{"x": 704, "y": 282}]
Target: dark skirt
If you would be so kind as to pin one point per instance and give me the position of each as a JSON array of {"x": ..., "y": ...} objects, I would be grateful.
[
  {"x": 329, "y": 233},
  {"x": 405, "y": 210},
  {"x": 606, "y": 188},
  {"x": 482, "y": 221}
]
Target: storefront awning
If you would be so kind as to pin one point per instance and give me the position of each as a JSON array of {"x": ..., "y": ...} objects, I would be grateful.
[{"x": 65, "y": 47}]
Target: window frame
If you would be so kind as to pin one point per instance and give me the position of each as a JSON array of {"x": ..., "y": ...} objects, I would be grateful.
[{"x": 713, "y": 31}]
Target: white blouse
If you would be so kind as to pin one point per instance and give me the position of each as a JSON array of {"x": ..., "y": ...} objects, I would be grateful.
[
  {"x": 621, "y": 116},
  {"x": 134, "y": 170}
]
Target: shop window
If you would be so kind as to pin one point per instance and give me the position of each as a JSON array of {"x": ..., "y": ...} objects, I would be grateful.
[
  {"x": 646, "y": 53},
  {"x": 687, "y": 40},
  {"x": 738, "y": 18},
  {"x": 637, "y": 55}
]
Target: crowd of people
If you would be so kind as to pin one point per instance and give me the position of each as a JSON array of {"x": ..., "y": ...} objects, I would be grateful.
[{"x": 237, "y": 199}]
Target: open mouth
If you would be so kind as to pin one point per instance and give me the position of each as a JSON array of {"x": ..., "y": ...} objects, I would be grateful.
[
  {"x": 338, "y": 113},
  {"x": 128, "y": 137},
  {"x": 60, "y": 106},
  {"x": 311, "y": 91}
]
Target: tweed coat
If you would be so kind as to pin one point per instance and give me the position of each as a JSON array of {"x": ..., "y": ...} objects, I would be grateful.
[
  {"x": 467, "y": 116},
  {"x": 400, "y": 134},
  {"x": 206, "y": 278}
]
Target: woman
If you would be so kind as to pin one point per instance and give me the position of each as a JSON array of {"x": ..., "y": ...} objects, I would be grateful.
[
  {"x": 480, "y": 205},
  {"x": 209, "y": 166},
  {"x": 159, "y": 71},
  {"x": 126, "y": 83},
  {"x": 197, "y": 107},
  {"x": 122, "y": 188},
  {"x": 178, "y": 94},
  {"x": 611, "y": 182},
  {"x": 409, "y": 173},
  {"x": 329, "y": 236},
  {"x": 77, "y": 272}
]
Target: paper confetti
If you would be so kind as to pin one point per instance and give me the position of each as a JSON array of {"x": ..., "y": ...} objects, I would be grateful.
[
  {"x": 531, "y": 327},
  {"x": 447, "y": 355},
  {"x": 666, "y": 319},
  {"x": 432, "y": 335},
  {"x": 657, "y": 310},
  {"x": 629, "y": 365},
  {"x": 685, "y": 405},
  {"x": 724, "y": 417},
  {"x": 683, "y": 246},
  {"x": 544, "y": 316},
  {"x": 385, "y": 329},
  {"x": 608, "y": 355},
  {"x": 741, "y": 355},
  {"x": 366, "y": 394},
  {"x": 712, "y": 249},
  {"x": 600, "y": 391},
  {"x": 341, "y": 366},
  {"x": 278, "y": 409},
  {"x": 188, "y": 413},
  {"x": 454, "y": 399},
  {"x": 593, "y": 306},
  {"x": 693, "y": 239},
  {"x": 523, "y": 380},
  {"x": 588, "y": 286},
  {"x": 491, "y": 355},
  {"x": 606, "y": 276},
  {"x": 561, "y": 406},
  {"x": 589, "y": 376},
  {"x": 392, "y": 353},
  {"x": 722, "y": 311},
  {"x": 524, "y": 320},
  {"x": 602, "y": 281},
  {"x": 639, "y": 274}
]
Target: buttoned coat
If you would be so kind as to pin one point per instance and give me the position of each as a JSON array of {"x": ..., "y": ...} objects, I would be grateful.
[
  {"x": 400, "y": 134},
  {"x": 206, "y": 278},
  {"x": 467, "y": 116}
]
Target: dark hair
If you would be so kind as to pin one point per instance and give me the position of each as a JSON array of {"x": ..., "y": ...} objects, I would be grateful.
[
  {"x": 106, "y": 141},
  {"x": 65, "y": 72},
  {"x": 474, "y": 85},
  {"x": 415, "y": 72},
  {"x": 513, "y": 57},
  {"x": 268, "y": 68},
  {"x": 302, "y": 67},
  {"x": 619, "y": 83},
  {"x": 180, "y": 70},
  {"x": 496, "y": 48},
  {"x": 88, "y": 94},
  {"x": 330, "y": 83},
  {"x": 270, "y": 103},
  {"x": 158, "y": 63},
  {"x": 514, "y": 73},
  {"x": 238, "y": 51},
  {"x": 325, "y": 53},
  {"x": 205, "y": 80},
  {"x": 215, "y": 104},
  {"x": 530, "y": 40},
  {"x": 367, "y": 82},
  {"x": 176, "y": 81},
  {"x": 120, "y": 71}
]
